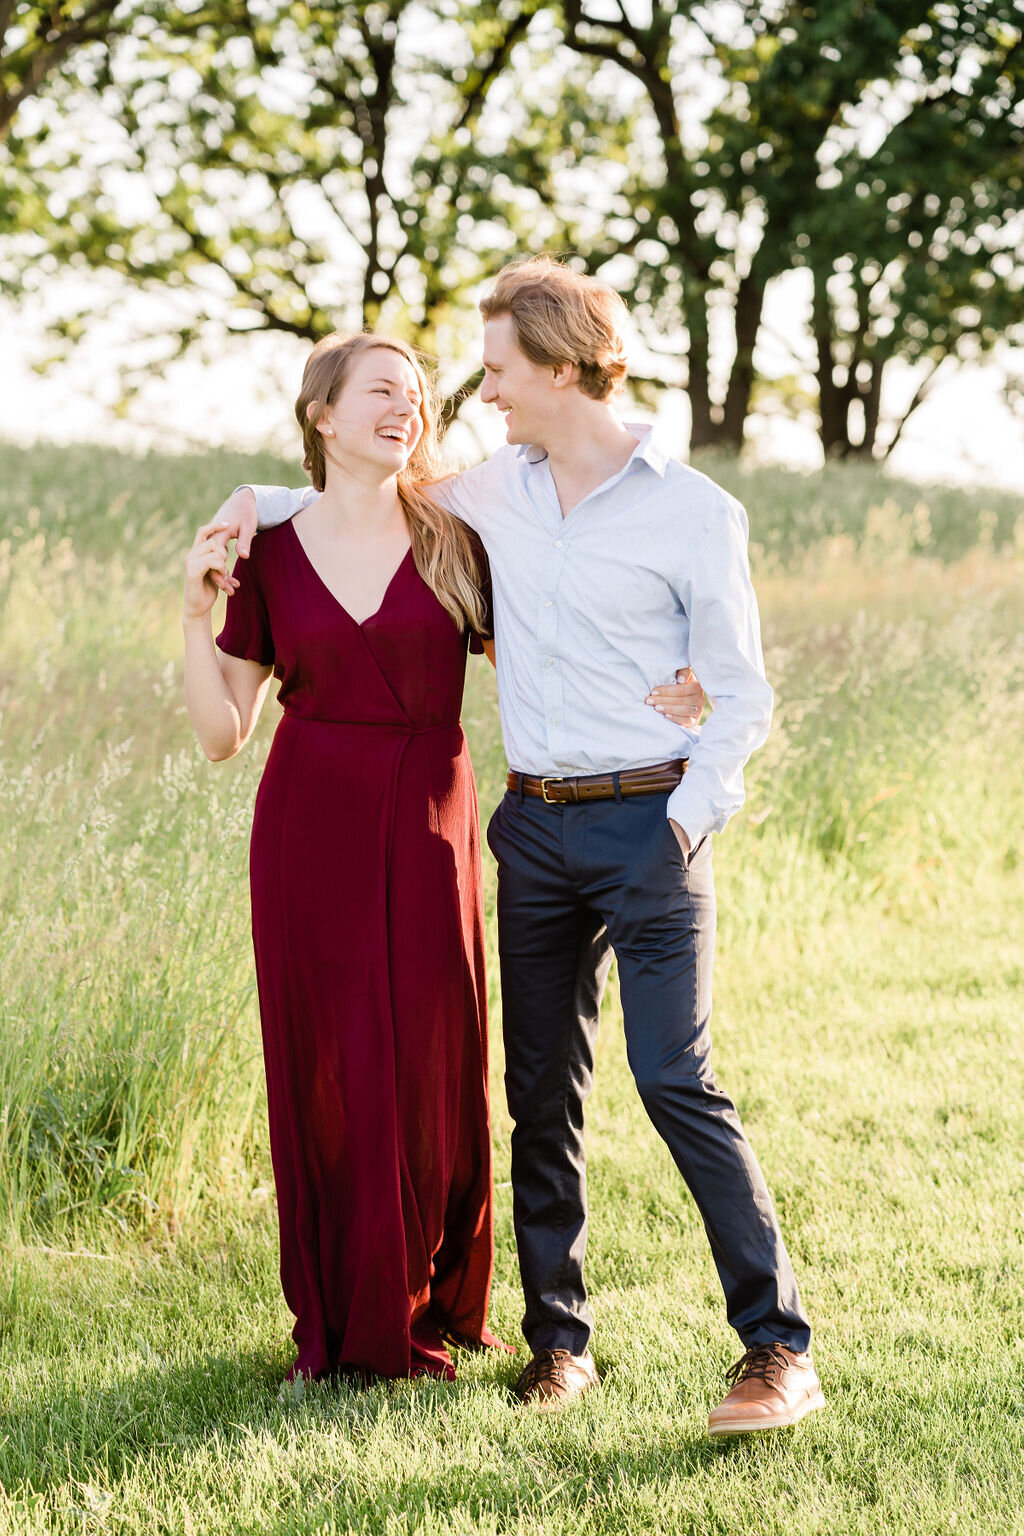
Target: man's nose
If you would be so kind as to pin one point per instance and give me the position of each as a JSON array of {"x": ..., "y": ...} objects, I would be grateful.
[{"x": 488, "y": 392}]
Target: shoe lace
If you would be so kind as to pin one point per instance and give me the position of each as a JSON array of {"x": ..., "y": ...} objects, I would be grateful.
[
  {"x": 756, "y": 1363},
  {"x": 546, "y": 1365}
]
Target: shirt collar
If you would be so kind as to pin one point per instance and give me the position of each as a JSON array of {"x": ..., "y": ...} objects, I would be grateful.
[{"x": 650, "y": 448}]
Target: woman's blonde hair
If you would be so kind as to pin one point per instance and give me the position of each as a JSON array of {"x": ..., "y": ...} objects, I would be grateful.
[
  {"x": 561, "y": 316},
  {"x": 446, "y": 554}
]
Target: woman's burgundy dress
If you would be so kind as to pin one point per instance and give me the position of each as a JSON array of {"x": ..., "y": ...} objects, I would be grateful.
[{"x": 368, "y": 931}]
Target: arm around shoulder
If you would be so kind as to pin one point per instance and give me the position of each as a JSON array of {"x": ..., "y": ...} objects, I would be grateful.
[{"x": 277, "y": 503}]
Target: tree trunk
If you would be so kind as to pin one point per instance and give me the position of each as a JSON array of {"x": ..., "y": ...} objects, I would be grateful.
[
  {"x": 833, "y": 420},
  {"x": 703, "y": 431},
  {"x": 872, "y": 398},
  {"x": 749, "y": 304}
]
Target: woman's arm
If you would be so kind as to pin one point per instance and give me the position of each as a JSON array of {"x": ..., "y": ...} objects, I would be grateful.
[{"x": 223, "y": 694}]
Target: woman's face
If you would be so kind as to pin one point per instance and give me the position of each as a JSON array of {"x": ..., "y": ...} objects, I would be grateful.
[{"x": 376, "y": 419}]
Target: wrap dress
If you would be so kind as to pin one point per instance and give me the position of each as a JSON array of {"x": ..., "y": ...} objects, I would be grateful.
[{"x": 368, "y": 934}]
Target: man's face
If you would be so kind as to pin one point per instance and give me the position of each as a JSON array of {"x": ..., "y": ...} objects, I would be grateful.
[{"x": 524, "y": 392}]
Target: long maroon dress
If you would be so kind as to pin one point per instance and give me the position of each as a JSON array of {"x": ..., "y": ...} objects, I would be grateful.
[{"x": 368, "y": 932}]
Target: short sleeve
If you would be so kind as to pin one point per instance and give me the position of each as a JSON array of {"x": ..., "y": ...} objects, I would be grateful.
[
  {"x": 476, "y": 642},
  {"x": 246, "y": 631}
]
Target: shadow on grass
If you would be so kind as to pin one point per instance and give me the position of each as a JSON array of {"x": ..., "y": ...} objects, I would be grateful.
[{"x": 495, "y": 1466}]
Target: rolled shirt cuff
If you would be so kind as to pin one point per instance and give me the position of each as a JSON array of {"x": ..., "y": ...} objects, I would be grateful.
[{"x": 695, "y": 815}]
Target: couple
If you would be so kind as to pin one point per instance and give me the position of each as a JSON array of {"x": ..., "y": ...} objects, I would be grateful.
[{"x": 611, "y": 565}]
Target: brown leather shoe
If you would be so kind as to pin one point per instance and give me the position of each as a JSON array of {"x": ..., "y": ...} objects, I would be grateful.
[
  {"x": 554, "y": 1376},
  {"x": 773, "y": 1387}
]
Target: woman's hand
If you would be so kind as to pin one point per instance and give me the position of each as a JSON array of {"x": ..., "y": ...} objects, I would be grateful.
[
  {"x": 682, "y": 702},
  {"x": 236, "y": 519},
  {"x": 206, "y": 571}
]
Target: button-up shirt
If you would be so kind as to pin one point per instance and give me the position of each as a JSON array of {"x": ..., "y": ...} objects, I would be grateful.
[{"x": 594, "y": 608}]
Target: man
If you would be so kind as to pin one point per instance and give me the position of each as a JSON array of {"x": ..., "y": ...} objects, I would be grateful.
[{"x": 607, "y": 557}]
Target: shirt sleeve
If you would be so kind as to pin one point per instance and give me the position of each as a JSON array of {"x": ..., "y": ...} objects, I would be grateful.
[
  {"x": 476, "y": 642},
  {"x": 725, "y": 653},
  {"x": 469, "y": 495},
  {"x": 276, "y": 503},
  {"x": 246, "y": 631}
]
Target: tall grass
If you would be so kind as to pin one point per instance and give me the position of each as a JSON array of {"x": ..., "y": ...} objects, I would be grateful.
[{"x": 129, "y": 1064}]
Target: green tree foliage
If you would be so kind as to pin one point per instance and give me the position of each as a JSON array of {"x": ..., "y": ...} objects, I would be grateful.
[
  {"x": 50, "y": 52},
  {"x": 37, "y": 40},
  {"x": 916, "y": 244}
]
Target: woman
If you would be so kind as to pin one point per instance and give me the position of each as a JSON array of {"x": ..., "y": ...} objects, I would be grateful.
[{"x": 365, "y": 873}]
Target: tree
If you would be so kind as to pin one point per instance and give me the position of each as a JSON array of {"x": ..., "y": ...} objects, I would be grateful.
[{"x": 915, "y": 246}]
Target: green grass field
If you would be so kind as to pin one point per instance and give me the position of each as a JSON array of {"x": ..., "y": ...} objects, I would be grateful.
[{"x": 868, "y": 1023}]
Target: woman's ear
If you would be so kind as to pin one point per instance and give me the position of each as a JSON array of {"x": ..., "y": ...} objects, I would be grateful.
[{"x": 322, "y": 427}]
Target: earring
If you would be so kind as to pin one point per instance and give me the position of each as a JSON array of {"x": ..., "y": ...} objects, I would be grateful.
[{"x": 329, "y": 432}]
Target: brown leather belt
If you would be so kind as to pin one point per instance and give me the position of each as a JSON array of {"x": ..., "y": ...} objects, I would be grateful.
[{"x": 658, "y": 779}]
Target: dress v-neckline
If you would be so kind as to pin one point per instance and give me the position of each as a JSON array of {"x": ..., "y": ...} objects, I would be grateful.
[{"x": 359, "y": 623}]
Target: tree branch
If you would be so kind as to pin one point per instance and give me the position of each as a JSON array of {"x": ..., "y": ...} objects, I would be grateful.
[
  {"x": 476, "y": 88},
  {"x": 43, "y": 60},
  {"x": 920, "y": 395},
  {"x": 452, "y": 404}
]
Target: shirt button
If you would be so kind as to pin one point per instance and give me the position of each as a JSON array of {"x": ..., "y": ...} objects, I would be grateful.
[
  {"x": 547, "y": 602},
  {"x": 551, "y": 661},
  {"x": 559, "y": 544}
]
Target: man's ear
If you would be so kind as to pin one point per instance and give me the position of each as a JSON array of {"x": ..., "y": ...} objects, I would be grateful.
[{"x": 564, "y": 375}]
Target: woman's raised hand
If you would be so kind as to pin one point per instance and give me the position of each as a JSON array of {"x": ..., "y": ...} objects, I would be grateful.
[
  {"x": 682, "y": 702},
  {"x": 206, "y": 571}
]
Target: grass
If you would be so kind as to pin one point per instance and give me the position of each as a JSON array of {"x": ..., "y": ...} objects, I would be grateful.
[{"x": 868, "y": 1023}]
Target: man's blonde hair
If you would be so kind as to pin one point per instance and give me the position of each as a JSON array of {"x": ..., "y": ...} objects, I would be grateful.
[{"x": 559, "y": 317}]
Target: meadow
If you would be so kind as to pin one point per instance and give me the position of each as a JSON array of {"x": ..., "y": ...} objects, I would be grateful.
[{"x": 868, "y": 1022}]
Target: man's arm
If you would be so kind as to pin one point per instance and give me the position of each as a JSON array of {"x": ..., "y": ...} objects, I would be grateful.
[
  {"x": 725, "y": 652},
  {"x": 276, "y": 503},
  {"x": 250, "y": 508}
]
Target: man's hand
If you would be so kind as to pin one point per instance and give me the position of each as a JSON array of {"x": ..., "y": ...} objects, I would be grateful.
[
  {"x": 681, "y": 839},
  {"x": 204, "y": 563},
  {"x": 682, "y": 702},
  {"x": 235, "y": 519}
]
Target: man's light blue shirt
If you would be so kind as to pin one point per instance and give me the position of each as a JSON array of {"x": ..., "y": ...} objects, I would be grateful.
[{"x": 592, "y": 610}]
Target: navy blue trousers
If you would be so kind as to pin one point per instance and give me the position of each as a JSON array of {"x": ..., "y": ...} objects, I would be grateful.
[{"x": 575, "y": 884}]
